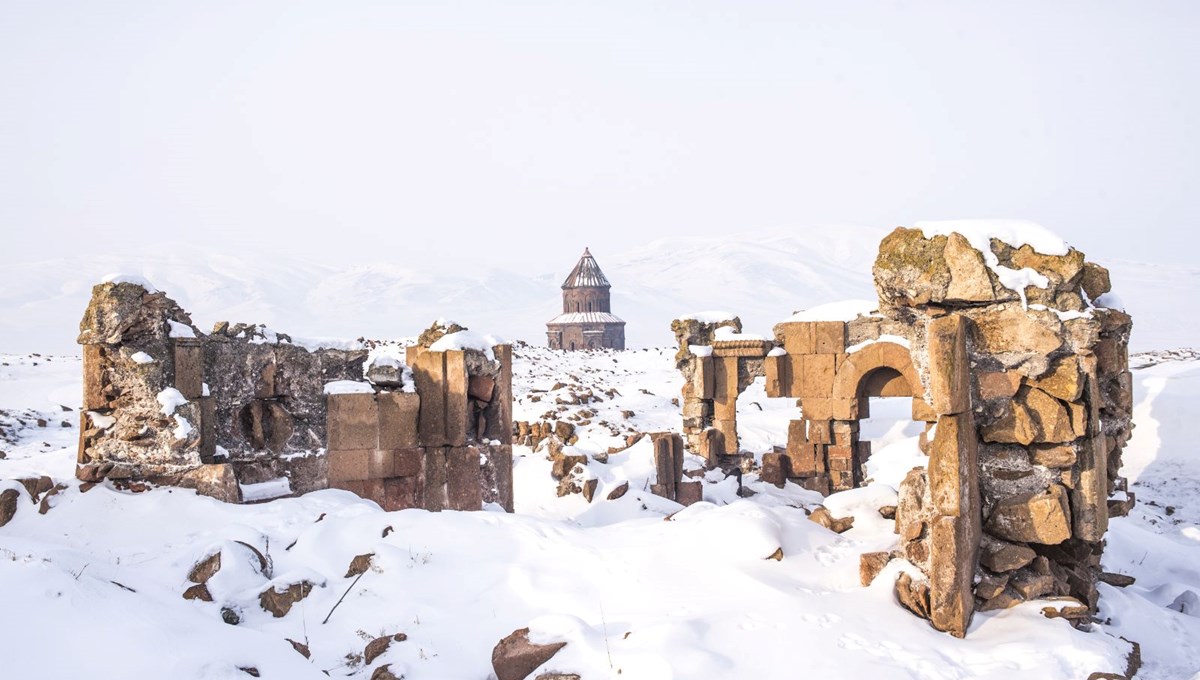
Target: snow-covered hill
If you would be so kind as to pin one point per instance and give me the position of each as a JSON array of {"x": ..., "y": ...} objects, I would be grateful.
[
  {"x": 93, "y": 585},
  {"x": 762, "y": 277}
]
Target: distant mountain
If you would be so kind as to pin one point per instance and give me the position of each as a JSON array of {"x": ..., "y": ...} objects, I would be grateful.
[{"x": 762, "y": 278}]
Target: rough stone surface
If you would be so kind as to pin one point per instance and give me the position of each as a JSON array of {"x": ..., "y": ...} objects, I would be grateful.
[
  {"x": 1033, "y": 518},
  {"x": 515, "y": 657}
]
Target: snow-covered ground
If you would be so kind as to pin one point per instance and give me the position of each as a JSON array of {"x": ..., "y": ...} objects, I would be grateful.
[{"x": 92, "y": 588}]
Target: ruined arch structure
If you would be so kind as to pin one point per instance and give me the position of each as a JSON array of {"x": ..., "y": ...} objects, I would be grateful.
[{"x": 1020, "y": 373}]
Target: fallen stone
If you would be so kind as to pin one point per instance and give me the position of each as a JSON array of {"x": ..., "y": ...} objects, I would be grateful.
[
  {"x": 300, "y": 648},
  {"x": 198, "y": 592},
  {"x": 913, "y": 595},
  {"x": 359, "y": 565},
  {"x": 8, "y": 505},
  {"x": 1032, "y": 517},
  {"x": 515, "y": 657},
  {"x": 380, "y": 645},
  {"x": 616, "y": 493},
  {"x": 205, "y": 569},
  {"x": 1117, "y": 580},
  {"x": 280, "y": 602},
  {"x": 384, "y": 672},
  {"x": 870, "y": 564},
  {"x": 822, "y": 516},
  {"x": 589, "y": 488}
]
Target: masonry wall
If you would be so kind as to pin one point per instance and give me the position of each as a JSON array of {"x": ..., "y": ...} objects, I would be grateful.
[{"x": 166, "y": 404}]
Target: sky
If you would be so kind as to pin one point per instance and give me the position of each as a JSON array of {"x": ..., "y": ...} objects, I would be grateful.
[{"x": 517, "y": 132}]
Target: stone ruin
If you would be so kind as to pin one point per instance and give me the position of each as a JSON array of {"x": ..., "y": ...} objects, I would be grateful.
[
  {"x": 1022, "y": 383},
  {"x": 244, "y": 414}
]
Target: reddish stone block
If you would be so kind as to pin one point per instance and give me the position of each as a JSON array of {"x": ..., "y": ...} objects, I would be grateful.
[
  {"x": 352, "y": 421},
  {"x": 689, "y": 493},
  {"x": 380, "y": 464},
  {"x": 435, "y": 479},
  {"x": 189, "y": 368},
  {"x": 208, "y": 429},
  {"x": 481, "y": 387},
  {"x": 464, "y": 482},
  {"x": 93, "y": 377},
  {"x": 402, "y": 493},
  {"x": 778, "y": 375},
  {"x": 774, "y": 469},
  {"x": 816, "y": 375},
  {"x": 458, "y": 410},
  {"x": 398, "y": 418},
  {"x": 407, "y": 462},
  {"x": 797, "y": 337},
  {"x": 429, "y": 374},
  {"x": 819, "y": 431}
]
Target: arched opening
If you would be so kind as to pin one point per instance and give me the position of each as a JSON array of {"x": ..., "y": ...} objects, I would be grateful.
[{"x": 889, "y": 437}]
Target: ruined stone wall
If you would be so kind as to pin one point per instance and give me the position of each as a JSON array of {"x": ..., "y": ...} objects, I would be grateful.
[
  {"x": 243, "y": 406},
  {"x": 1025, "y": 394}
]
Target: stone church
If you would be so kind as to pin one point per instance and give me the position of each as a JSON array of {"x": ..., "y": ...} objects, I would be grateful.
[{"x": 587, "y": 321}]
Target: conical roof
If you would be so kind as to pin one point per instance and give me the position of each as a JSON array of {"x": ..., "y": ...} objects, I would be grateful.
[{"x": 586, "y": 274}]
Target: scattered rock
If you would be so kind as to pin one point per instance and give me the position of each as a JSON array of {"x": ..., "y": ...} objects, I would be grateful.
[
  {"x": 300, "y": 648},
  {"x": 615, "y": 493},
  {"x": 1117, "y": 580},
  {"x": 359, "y": 565},
  {"x": 384, "y": 672},
  {"x": 1001, "y": 556},
  {"x": 380, "y": 645},
  {"x": 822, "y": 516},
  {"x": 888, "y": 512},
  {"x": 198, "y": 592},
  {"x": 8, "y": 505},
  {"x": 205, "y": 568},
  {"x": 231, "y": 616},
  {"x": 870, "y": 564},
  {"x": 913, "y": 595},
  {"x": 589, "y": 488},
  {"x": 515, "y": 657},
  {"x": 280, "y": 602},
  {"x": 777, "y": 555}
]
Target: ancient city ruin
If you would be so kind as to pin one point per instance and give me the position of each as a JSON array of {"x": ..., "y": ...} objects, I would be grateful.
[
  {"x": 244, "y": 414},
  {"x": 587, "y": 321},
  {"x": 1020, "y": 379},
  {"x": 1024, "y": 389}
]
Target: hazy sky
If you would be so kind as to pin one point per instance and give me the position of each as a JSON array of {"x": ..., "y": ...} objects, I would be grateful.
[{"x": 516, "y": 131}]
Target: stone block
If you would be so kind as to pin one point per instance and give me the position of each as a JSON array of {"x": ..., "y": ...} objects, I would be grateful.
[
  {"x": 870, "y": 564},
  {"x": 1050, "y": 415},
  {"x": 1053, "y": 455},
  {"x": 688, "y": 493},
  {"x": 1032, "y": 517},
  {"x": 498, "y": 475},
  {"x": 703, "y": 380},
  {"x": 407, "y": 462},
  {"x": 1014, "y": 426},
  {"x": 349, "y": 465},
  {"x": 819, "y": 431},
  {"x": 829, "y": 337},
  {"x": 778, "y": 375},
  {"x": 402, "y": 493},
  {"x": 464, "y": 481},
  {"x": 797, "y": 337},
  {"x": 922, "y": 412},
  {"x": 816, "y": 408},
  {"x": 775, "y": 469},
  {"x": 729, "y": 437},
  {"x": 816, "y": 375},
  {"x": 998, "y": 385},
  {"x": 93, "y": 377},
  {"x": 500, "y": 424},
  {"x": 399, "y": 414},
  {"x": 435, "y": 479},
  {"x": 949, "y": 370},
  {"x": 189, "y": 368},
  {"x": 208, "y": 429},
  {"x": 458, "y": 409},
  {"x": 848, "y": 409},
  {"x": 953, "y": 466},
  {"x": 712, "y": 444},
  {"x": 429, "y": 375},
  {"x": 953, "y": 553},
  {"x": 352, "y": 421},
  {"x": 380, "y": 464},
  {"x": 1063, "y": 381},
  {"x": 805, "y": 459}
]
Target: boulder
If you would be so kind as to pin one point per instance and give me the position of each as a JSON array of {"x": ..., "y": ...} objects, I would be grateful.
[
  {"x": 913, "y": 595},
  {"x": 359, "y": 565},
  {"x": 515, "y": 657},
  {"x": 1032, "y": 517},
  {"x": 199, "y": 592},
  {"x": 205, "y": 569},
  {"x": 616, "y": 493},
  {"x": 375, "y": 648},
  {"x": 8, "y": 505}
]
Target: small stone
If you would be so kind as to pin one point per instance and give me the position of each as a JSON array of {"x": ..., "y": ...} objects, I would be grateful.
[
  {"x": 870, "y": 564},
  {"x": 589, "y": 488},
  {"x": 515, "y": 657},
  {"x": 616, "y": 493},
  {"x": 300, "y": 648},
  {"x": 888, "y": 512},
  {"x": 205, "y": 568},
  {"x": 380, "y": 645},
  {"x": 822, "y": 516},
  {"x": 280, "y": 602},
  {"x": 1032, "y": 517},
  {"x": 8, "y": 505},
  {"x": 1117, "y": 580},
  {"x": 913, "y": 595},
  {"x": 359, "y": 565},
  {"x": 198, "y": 592},
  {"x": 777, "y": 555},
  {"x": 1001, "y": 556}
]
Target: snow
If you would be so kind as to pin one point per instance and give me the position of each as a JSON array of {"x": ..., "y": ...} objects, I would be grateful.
[
  {"x": 182, "y": 427},
  {"x": 709, "y": 317},
  {"x": 392, "y": 355},
  {"x": 633, "y": 595},
  {"x": 130, "y": 278},
  {"x": 101, "y": 421},
  {"x": 180, "y": 330},
  {"x": 272, "y": 488},
  {"x": 348, "y": 387},
  {"x": 728, "y": 334},
  {"x": 467, "y": 339},
  {"x": 141, "y": 358},
  {"x": 777, "y": 352},
  {"x": 170, "y": 399},
  {"x": 1016, "y": 233},
  {"x": 845, "y": 310},
  {"x": 701, "y": 350},
  {"x": 1109, "y": 300},
  {"x": 885, "y": 337}
]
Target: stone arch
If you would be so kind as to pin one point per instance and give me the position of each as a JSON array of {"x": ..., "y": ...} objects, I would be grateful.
[{"x": 883, "y": 366}]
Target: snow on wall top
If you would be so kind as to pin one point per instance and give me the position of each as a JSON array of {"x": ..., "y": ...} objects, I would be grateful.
[
  {"x": 709, "y": 317},
  {"x": 586, "y": 317},
  {"x": 130, "y": 278},
  {"x": 467, "y": 339},
  {"x": 1015, "y": 233},
  {"x": 845, "y": 310}
]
